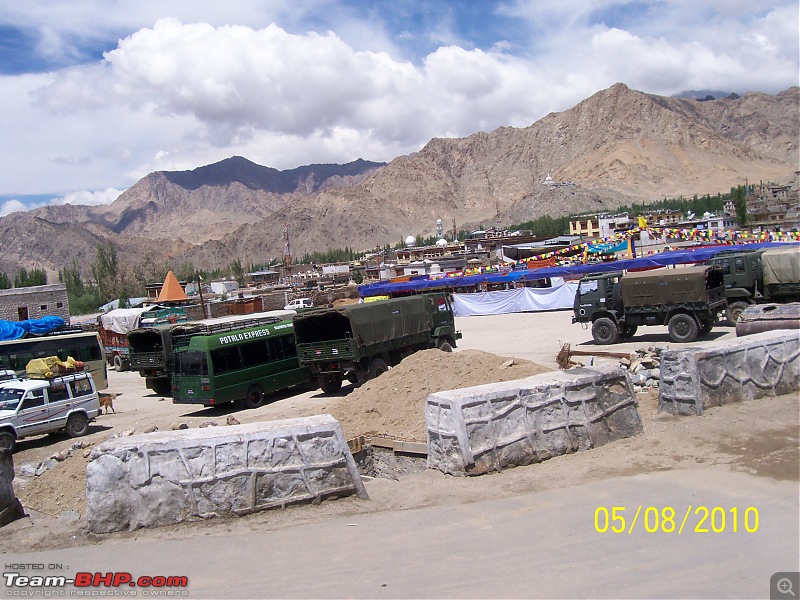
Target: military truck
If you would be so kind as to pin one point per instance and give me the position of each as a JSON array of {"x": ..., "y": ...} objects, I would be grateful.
[
  {"x": 686, "y": 299},
  {"x": 759, "y": 276},
  {"x": 358, "y": 342},
  {"x": 150, "y": 351}
]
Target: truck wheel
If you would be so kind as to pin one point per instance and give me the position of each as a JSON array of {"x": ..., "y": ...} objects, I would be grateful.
[
  {"x": 119, "y": 366},
  {"x": 682, "y": 328},
  {"x": 377, "y": 367},
  {"x": 254, "y": 397},
  {"x": 7, "y": 441},
  {"x": 444, "y": 345},
  {"x": 626, "y": 332},
  {"x": 734, "y": 310},
  {"x": 77, "y": 425},
  {"x": 162, "y": 387},
  {"x": 604, "y": 331},
  {"x": 330, "y": 384}
]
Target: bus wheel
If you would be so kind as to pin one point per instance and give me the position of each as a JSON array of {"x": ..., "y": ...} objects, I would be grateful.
[
  {"x": 7, "y": 441},
  {"x": 377, "y": 367},
  {"x": 254, "y": 397},
  {"x": 77, "y": 425},
  {"x": 330, "y": 384}
]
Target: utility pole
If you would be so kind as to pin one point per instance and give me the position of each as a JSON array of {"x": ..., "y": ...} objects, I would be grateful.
[{"x": 200, "y": 291}]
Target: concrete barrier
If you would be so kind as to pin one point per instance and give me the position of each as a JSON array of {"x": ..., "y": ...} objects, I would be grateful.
[
  {"x": 10, "y": 507},
  {"x": 485, "y": 428},
  {"x": 173, "y": 476},
  {"x": 714, "y": 373}
]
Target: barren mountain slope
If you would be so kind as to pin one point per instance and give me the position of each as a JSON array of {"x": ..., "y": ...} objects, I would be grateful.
[{"x": 618, "y": 146}]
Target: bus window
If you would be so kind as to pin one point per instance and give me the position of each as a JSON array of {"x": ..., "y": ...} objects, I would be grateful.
[
  {"x": 226, "y": 359},
  {"x": 190, "y": 363},
  {"x": 255, "y": 353}
]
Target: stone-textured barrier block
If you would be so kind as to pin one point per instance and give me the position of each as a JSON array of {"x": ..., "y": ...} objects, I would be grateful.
[
  {"x": 10, "y": 507},
  {"x": 714, "y": 373},
  {"x": 173, "y": 476},
  {"x": 485, "y": 428}
]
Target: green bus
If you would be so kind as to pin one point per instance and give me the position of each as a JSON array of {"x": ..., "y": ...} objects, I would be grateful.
[
  {"x": 80, "y": 345},
  {"x": 232, "y": 361}
]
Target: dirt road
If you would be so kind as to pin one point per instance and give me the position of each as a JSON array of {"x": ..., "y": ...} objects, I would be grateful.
[{"x": 735, "y": 456}]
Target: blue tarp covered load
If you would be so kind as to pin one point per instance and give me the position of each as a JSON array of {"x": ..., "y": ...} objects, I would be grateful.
[
  {"x": 14, "y": 330},
  {"x": 663, "y": 259}
]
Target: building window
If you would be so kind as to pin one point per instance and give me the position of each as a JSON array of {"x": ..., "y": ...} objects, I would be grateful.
[
  {"x": 59, "y": 305},
  {"x": 43, "y": 307}
]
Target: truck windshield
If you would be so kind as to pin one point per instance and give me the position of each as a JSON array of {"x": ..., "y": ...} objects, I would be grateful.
[
  {"x": 588, "y": 285},
  {"x": 191, "y": 363},
  {"x": 10, "y": 397}
]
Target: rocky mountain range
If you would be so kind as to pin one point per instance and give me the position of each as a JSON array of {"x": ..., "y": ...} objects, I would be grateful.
[{"x": 615, "y": 147}]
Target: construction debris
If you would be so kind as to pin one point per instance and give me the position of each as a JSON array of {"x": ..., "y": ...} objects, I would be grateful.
[{"x": 643, "y": 366}]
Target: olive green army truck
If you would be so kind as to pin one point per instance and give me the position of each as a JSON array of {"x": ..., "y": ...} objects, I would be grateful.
[
  {"x": 686, "y": 299},
  {"x": 360, "y": 341},
  {"x": 759, "y": 276}
]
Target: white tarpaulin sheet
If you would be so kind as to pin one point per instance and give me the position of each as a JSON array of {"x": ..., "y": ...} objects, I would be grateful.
[
  {"x": 517, "y": 300},
  {"x": 123, "y": 320}
]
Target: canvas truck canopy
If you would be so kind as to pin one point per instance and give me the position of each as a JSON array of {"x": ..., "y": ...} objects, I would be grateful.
[
  {"x": 122, "y": 320},
  {"x": 367, "y": 323},
  {"x": 781, "y": 265},
  {"x": 669, "y": 286}
]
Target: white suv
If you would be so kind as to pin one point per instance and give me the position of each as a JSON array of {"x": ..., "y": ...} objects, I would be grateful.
[
  {"x": 36, "y": 406},
  {"x": 298, "y": 303}
]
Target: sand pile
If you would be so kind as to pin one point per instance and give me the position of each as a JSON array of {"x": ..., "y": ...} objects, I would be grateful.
[{"x": 393, "y": 404}]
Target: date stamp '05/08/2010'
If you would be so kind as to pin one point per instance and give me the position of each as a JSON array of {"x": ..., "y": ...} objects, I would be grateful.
[{"x": 694, "y": 519}]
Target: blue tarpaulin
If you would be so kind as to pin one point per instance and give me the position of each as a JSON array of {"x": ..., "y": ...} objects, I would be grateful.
[
  {"x": 14, "y": 330},
  {"x": 663, "y": 259}
]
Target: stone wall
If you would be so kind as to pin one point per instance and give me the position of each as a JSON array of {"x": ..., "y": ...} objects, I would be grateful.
[
  {"x": 488, "y": 427},
  {"x": 173, "y": 476},
  {"x": 38, "y": 300},
  {"x": 715, "y": 373}
]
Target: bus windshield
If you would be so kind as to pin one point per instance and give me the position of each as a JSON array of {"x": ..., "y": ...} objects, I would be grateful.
[{"x": 191, "y": 363}]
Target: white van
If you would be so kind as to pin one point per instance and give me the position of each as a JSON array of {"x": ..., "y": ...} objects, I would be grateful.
[
  {"x": 36, "y": 406},
  {"x": 299, "y": 303}
]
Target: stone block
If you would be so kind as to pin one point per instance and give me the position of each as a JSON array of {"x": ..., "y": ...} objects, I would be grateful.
[
  {"x": 172, "y": 476},
  {"x": 10, "y": 507},
  {"x": 490, "y": 427},
  {"x": 715, "y": 373}
]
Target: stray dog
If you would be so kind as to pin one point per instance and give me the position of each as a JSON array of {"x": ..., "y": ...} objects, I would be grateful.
[{"x": 107, "y": 401}]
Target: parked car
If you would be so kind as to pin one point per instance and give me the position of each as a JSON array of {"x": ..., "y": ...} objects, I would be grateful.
[
  {"x": 37, "y": 406},
  {"x": 299, "y": 303}
]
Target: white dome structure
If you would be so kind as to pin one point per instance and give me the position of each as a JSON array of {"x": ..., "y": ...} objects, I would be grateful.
[
  {"x": 441, "y": 243},
  {"x": 410, "y": 241}
]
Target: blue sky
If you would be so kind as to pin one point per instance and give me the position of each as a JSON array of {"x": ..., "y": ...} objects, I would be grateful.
[{"x": 96, "y": 94}]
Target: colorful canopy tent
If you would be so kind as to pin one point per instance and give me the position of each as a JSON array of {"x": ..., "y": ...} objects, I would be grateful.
[
  {"x": 664, "y": 259},
  {"x": 171, "y": 291}
]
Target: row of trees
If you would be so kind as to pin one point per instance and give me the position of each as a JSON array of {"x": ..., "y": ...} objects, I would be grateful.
[{"x": 23, "y": 278}]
